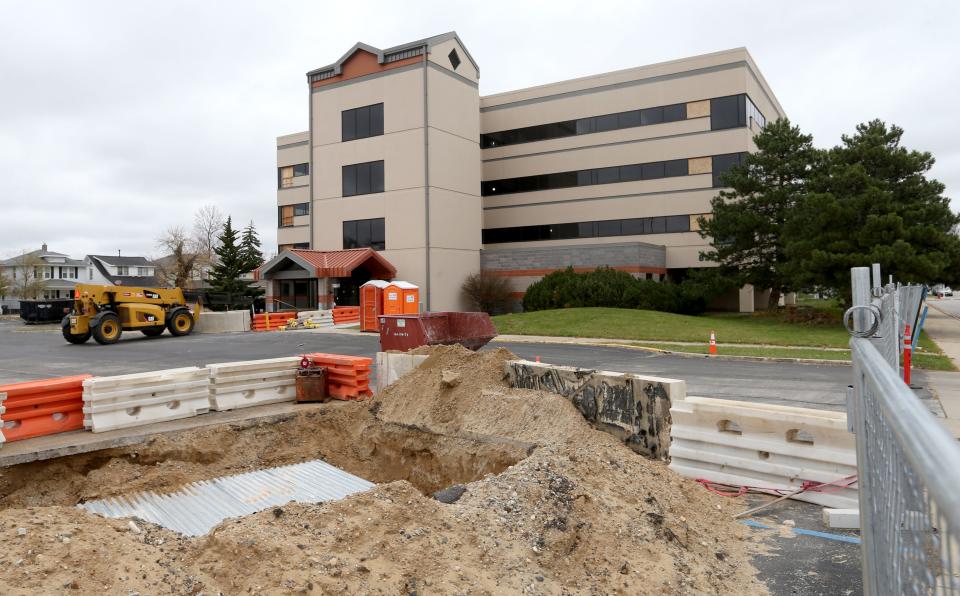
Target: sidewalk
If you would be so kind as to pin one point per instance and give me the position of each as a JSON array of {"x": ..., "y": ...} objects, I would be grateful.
[{"x": 945, "y": 330}]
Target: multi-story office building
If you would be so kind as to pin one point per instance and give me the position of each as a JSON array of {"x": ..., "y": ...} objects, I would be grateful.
[{"x": 403, "y": 156}]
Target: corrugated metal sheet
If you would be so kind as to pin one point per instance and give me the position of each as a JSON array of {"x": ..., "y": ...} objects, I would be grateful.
[
  {"x": 341, "y": 263},
  {"x": 197, "y": 508}
]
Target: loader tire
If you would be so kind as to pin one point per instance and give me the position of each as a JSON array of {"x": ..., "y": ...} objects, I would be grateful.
[
  {"x": 109, "y": 329},
  {"x": 80, "y": 338},
  {"x": 180, "y": 322}
]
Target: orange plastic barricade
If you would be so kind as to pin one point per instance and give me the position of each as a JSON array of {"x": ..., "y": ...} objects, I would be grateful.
[
  {"x": 271, "y": 321},
  {"x": 346, "y": 314},
  {"x": 348, "y": 377},
  {"x": 47, "y": 407}
]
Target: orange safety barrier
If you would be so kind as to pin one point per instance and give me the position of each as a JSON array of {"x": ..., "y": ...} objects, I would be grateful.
[
  {"x": 47, "y": 407},
  {"x": 346, "y": 314},
  {"x": 348, "y": 377},
  {"x": 271, "y": 321}
]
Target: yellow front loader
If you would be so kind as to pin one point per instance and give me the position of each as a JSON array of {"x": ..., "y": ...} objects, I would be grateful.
[{"x": 104, "y": 312}]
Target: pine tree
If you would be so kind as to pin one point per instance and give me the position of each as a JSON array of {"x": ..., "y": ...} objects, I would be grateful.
[
  {"x": 225, "y": 276},
  {"x": 252, "y": 256},
  {"x": 872, "y": 203},
  {"x": 746, "y": 227}
]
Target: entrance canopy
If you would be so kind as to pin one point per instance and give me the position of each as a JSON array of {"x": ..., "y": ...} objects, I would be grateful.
[{"x": 332, "y": 263}]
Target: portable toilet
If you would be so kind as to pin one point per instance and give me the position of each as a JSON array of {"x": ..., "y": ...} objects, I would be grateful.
[
  {"x": 411, "y": 297},
  {"x": 371, "y": 304},
  {"x": 401, "y": 298}
]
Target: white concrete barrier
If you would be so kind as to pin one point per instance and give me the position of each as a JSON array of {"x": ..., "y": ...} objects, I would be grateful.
[
  {"x": 764, "y": 445},
  {"x": 252, "y": 383},
  {"x": 391, "y": 366},
  {"x": 144, "y": 398},
  {"x": 231, "y": 321}
]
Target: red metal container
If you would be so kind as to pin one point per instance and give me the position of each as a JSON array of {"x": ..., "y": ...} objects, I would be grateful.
[{"x": 472, "y": 330}]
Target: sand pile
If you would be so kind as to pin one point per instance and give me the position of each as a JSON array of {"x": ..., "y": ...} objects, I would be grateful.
[{"x": 541, "y": 503}]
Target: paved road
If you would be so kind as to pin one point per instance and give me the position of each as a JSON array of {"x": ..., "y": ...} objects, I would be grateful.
[{"x": 38, "y": 352}]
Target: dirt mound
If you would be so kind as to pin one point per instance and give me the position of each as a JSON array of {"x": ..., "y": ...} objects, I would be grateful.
[{"x": 550, "y": 505}]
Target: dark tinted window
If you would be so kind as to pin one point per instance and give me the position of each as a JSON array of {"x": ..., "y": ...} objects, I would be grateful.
[
  {"x": 608, "y": 122},
  {"x": 589, "y": 229},
  {"x": 652, "y": 171},
  {"x": 651, "y": 116},
  {"x": 676, "y": 167},
  {"x": 364, "y": 233},
  {"x": 301, "y": 209},
  {"x": 608, "y": 228},
  {"x": 678, "y": 223},
  {"x": 728, "y": 112},
  {"x": 360, "y": 123},
  {"x": 722, "y": 163},
  {"x": 677, "y": 111},
  {"x": 301, "y": 169},
  {"x": 629, "y": 119},
  {"x": 363, "y": 178},
  {"x": 626, "y": 173}
]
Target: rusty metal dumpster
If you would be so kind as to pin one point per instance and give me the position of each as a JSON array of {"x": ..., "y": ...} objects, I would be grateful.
[{"x": 471, "y": 330}]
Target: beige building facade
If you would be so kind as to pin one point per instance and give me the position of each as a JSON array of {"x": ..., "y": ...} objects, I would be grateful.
[{"x": 403, "y": 156}]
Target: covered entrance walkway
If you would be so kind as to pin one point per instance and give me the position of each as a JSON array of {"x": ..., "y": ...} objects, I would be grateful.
[{"x": 314, "y": 279}]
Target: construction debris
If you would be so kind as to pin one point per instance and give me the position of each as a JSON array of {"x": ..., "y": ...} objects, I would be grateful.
[{"x": 548, "y": 504}]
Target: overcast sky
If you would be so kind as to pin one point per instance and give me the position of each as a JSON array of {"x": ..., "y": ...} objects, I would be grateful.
[{"x": 120, "y": 119}]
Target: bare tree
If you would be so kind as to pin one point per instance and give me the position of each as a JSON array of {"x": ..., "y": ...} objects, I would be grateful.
[
  {"x": 176, "y": 268},
  {"x": 28, "y": 282},
  {"x": 4, "y": 285},
  {"x": 207, "y": 224}
]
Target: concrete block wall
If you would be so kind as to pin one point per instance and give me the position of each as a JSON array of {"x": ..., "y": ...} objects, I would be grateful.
[
  {"x": 231, "y": 321},
  {"x": 634, "y": 408},
  {"x": 637, "y": 254},
  {"x": 391, "y": 366}
]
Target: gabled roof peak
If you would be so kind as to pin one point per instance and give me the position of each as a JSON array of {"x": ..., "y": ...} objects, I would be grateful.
[{"x": 384, "y": 54}]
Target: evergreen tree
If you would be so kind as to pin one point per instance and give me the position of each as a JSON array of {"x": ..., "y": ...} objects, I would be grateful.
[
  {"x": 746, "y": 228},
  {"x": 252, "y": 256},
  {"x": 250, "y": 248},
  {"x": 225, "y": 276},
  {"x": 871, "y": 203}
]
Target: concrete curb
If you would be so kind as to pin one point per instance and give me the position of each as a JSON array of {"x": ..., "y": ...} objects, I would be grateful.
[{"x": 683, "y": 354}]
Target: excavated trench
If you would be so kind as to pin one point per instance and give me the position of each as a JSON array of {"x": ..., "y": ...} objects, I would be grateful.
[{"x": 346, "y": 435}]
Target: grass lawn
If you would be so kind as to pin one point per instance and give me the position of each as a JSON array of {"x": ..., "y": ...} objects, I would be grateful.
[{"x": 730, "y": 328}]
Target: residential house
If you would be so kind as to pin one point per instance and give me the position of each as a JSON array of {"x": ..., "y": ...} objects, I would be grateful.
[{"x": 119, "y": 271}]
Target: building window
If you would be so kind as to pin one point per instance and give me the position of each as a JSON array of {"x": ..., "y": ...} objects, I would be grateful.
[
  {"x": 123, "y": 270},
  {"x": 363, "y": 178},
  {"x": 610, "y": 175},
  {"x": 294, "y": 246},
  {"x": 754, "y": 115},
  {"x": 286, "y": 213},
  {"x": 582, "y": 126},
  {"x": 728, "y": 112},
  {"x": 670, "y": 224},
  {"x": 143, "y": 271},
  {"x": 454, "y": 58},
  {"x": 363, "y": 233},
  {"x": 90, "y": 274},
  {"x": 286, "y": 174},
  {"x": 722, "y": 163},
  {"x": 360, "y": 123}
]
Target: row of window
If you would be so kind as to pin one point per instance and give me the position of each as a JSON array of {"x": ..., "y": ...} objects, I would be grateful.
[
  {"x": 286, "y": 213},
  {"x": 725, "y": 112},
  {"x": 286, "y": 174},
  {"x": 626, "y": 173},
  {"x": 363, "y": 233},
  {"x": 581, "y": 126},
  {"x": 670, "y": 224},
  {"x": 360, "y": 123}
]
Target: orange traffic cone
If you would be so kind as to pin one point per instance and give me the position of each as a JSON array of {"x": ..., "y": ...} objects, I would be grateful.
[{"x": 713, "y": 344}]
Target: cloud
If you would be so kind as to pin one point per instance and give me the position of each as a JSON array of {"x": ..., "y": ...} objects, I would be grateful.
[{"x": 120, "y": 119}]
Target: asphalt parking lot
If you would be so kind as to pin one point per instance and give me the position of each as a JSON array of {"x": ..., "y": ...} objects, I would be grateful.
[{"x": 38, "y": 351}]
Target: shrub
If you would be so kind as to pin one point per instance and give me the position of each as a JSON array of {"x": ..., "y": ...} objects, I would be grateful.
[
  {"x": 488, "y": 293},
  {"x": 618, "y": 289}
]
